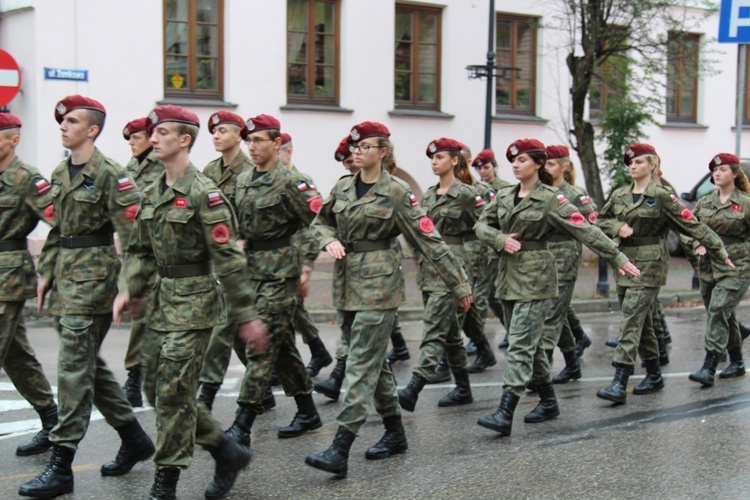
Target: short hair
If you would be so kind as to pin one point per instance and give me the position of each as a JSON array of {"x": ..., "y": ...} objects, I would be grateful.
[
  {"x": 96, "y": 118},
  {"x": 286, "y": 146},
  {"x": 187, "y": 129},
  {"x": 10, "y": 132}
]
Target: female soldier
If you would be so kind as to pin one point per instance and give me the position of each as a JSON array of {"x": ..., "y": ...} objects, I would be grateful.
[
  {"x": 518, "y": 225},
  {"x": 454, "y": 206},
  {"x": 726, "y": 210},
  {"x": 640, "y": 215},
  {"x": 357, "y": 225}
]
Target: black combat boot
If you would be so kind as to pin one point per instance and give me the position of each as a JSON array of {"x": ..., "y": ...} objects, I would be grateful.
[
  {"x": 663, "y": 353},
  {"x": 504, "y": 344},
  {"x": 331, "y": 388},
  {"x": 582, "y": 340},
  {"x": 612, "y": 342},
  {"x": 572, "y": 370},
  {"x": 502, "y": 420},
  {"x": 547, "y": 407},
  {"x": 471, "y": 348},
  {"x": 136, "y": 447},
  {"x": 744, "y": 330},
  {"x": 392, "y": 442},
  {"x": 274, "y": 380},
  {"x": 653, "y": 381},
  {"x": 41, "y": 442},
  {"x": 665, "y": 328},
  {"x": 408, "y": 396},
  {"x": 306, "y": 419},
  {"x": 208, "y": 394},
  {"x": 399, "y": 352},
  {"x": 320, "y": 357},
  {"x": 239, "y": 432},
  {"x": 56, "y": 479},
  {"x": 230, "y": 457},
  {"x": 461, "y": 395},
  {"x": 617, "y": 391},
  {"x": 269, "y": 401},
  {"x": 735, "y": 369},
  {"x": 165, "y": 484},
  {"x": 705, "y": 376},
  {"x": 485, "y": 358},
  {"x": 132, "y": 388},
  {"x": 336, "y": 458},
  {"x": 442, "y": 373}
]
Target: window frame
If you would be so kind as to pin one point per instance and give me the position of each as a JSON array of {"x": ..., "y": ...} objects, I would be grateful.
[
  {"x": 746, "y": 106},
  {"x": 512, "y": 76},
  {"x": 414, "y": 103},
  {"x": 310, "y": 98},
  {"x": 191, "y": 90},
  {"x": 676, "y": 116}
]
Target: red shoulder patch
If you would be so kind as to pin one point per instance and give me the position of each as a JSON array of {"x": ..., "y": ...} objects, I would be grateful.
[
  {"x": 737, "y": 208},
  {"x": 426, "y": 225},
  {"x": 130, "y": 212},
  {"x": 180, "y": 202},
  {"x": 577, "y": 219},
  {"x": 49, "y": 212},
  {"x": 593, "y": 217},
  {"x": 686, "y": 214},
  {"x": 220, "y": 233},
  {"x": 315, "y": 204}
]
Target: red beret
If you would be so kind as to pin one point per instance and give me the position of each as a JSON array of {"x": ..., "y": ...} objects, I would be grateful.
[
  {"x": 285, "y": 138},
  {"x": 227, "y": 117},
  {"x": 723, "y": 159},
  {"x": 637, "y": 149},
  {"x": 262, "y": 122},
  {"x": 442, "y": 144},
  {"x": 522, "y": 146},
  {"x": 170, "y": 113},
  {"x": 9, "y": 121},
  {"x": 368, "y": 129},
  {"x": 342, "y": 152},
  {"x": 483, "y": 158},
  {"x": 76, "y": 102},
  {"x": 137, "y": 125},
  {"x": 557, "y": 151}
]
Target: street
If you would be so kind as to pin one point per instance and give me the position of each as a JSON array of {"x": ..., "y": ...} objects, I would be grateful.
[{"x": 683, "y": 442}]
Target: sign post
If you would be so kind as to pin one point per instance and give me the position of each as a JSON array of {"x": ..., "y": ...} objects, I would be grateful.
[
  {"x": 10, "y": 78},
  {"x": 734, "y": 27}
]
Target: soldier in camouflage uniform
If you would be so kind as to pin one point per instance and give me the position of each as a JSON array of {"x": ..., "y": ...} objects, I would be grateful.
[
  {"x": 144, "y": 168},
  {"x": 356, "y": 226},
  {"x": 185, "y": 235},
  {"x": 640, "y": 215},
  {"x": 24, "y": 196},
  {"x": 274, "y": 203},
  {"x": 92, "y": 196},
  {"x": 519, "y": 224},
  {"x": 726, "y": 210},
  {"x": 454, "y": 207}
]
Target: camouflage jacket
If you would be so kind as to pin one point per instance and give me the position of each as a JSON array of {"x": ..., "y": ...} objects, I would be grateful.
[
  {"x": 454, "y": 215},
  {"x": 655, "y": 212},
  {"x": 101, "y": 199},
  {"x": 24, "y": 196},
  {"x": 227, "y": 180},
  {"x": 497, "y": 184},
  {"x": 476, "y": 250},
  {"x": 190, "y": 223},
  {"x": 145, "y": 172},
  {"x": 373, "y": 280},
  {"x": 567, "y": 251},
  {"x": 304, "y": 240},
  {"x": 530, "y": 274},
  {"x": 731, "y": 222}
]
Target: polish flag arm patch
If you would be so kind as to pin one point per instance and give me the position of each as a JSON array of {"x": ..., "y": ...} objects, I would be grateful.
[
  {"x": 413, "y": 200},
  {"x": 561, "y": 199},
  {"x": 123, "y": 184},
  {"x": 42, "y": 186},
  {"x": 215, "y": 199},
  {"x": 302, "y": 186},
  {"x": 479, "y": 200}
]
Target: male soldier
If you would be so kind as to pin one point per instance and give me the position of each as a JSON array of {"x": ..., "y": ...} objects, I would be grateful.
[
  {"x": 24, "y": 196},
  {"x": 308, "y": 249},
  {"x": 184, "y": 225},
  {"x": 273, "y": 203},
  {"x": 144, "y": 168},
  {"x": 92, "y": 195}
]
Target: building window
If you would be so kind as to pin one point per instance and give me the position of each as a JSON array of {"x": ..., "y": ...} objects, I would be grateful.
[
  {"x": 682, "y": 78},
  {"x": 313, "y": 51},
  {"x": 194, "y": 48},
  {"x": 515, "y": 47},
  {"x": 610, "y": 77},
  {"x": 417, "y": 57}
]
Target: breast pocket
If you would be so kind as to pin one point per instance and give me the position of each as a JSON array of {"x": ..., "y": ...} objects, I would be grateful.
[
  {"x": 177, "y": 230},
  {"x": 377, "y": 219},
  {"x": 9, "y": 201},
  {"x": 269, "y": 213},
  {"x": 89, "y": 210}
]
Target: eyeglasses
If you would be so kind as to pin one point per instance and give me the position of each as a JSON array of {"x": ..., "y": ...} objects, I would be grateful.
[
  {"x": 257, "y": 140},
  {"x": 363, "y": 148}
]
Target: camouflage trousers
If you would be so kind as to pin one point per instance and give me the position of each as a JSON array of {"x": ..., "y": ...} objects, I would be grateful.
[
  {"x": 368, "y": 373},
  {"x": 135, "y": 344},
  {"x": 342, "y": 351},
  {"x": 476, "y": 317},
  {"x": 721, "y": 299},
  {"x": 658, "y": 321},
  {"x": 275, "y": 303},
  {"x": 84, "y": 379},
  {"x": 567, "y": 340},
  {"x": 495, "y": 304},
  {"x": 525, "y": 323},
  {"x": 171, "y": 362},
  {"x": 303, "y": 323},
  {"x": 219, "y": 353},
  {"x": 18, "y": 360},
  {"x": 636, "y": 325},
  {"x": 441, "y": 334},
  {"x": 554, "y": 319}
]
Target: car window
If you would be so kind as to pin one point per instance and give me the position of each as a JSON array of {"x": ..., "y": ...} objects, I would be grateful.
[{"x": 704, "y": 188}]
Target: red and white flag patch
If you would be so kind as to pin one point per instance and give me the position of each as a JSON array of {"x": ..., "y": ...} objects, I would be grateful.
[
  {"x": 674, "y": 198},
  {"x": 302, "y": 186},
  {"x": 123, "y": 184},
  {"x": 479, "y": 200},
  {"x": 492, "y": 196},
  {"x": 413, "y": 200},
  {"x": 585, "y": 199},
  {"x": 42, "y": 186},
  {"x": 561, "y": 199},
  {"x": 215, "y": 199}
]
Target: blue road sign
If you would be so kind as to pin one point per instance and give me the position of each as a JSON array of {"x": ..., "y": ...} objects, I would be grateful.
[{"x": 79, "y": 75}]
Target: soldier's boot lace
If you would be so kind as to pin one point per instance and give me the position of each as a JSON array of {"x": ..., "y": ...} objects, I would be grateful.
[
  {"x": 40, "y": 443},
  {"x": 572, "y": 370},
  {"x": 239, "y": 432},
  {"x": 485, "y": 358},
  {"x": 705, "y": 376},
  {"x": 617, "y": 390},
  {"x": 442, "y": 373},
  {"x": 132, "y": 388},
  {"x": 653, "y": 381},
  {"x": 502, "y": 420},
  {"x": 331, "y": 388},
  {"x": 306, "y": 419},
  {"x": 392, "y": 442},
  {"x": 136, "y": 447},
  {"x": 547, "y": 407},
  {"x": 56, "y": 479},
  {"x": 165, "y": 484},
  {"x": 336, "y": 458},
  {"x": 407, "y": 397},
  {"x": 736, "y": 366},
  {"x": 461, "y": 395}
]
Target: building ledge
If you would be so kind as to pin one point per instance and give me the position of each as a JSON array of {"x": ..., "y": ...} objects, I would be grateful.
[
  {"x": 420, "y": 113},
  {"x": 507, "y": 117},
  {"x": 325, "y": 108},
  {"x": 683, "y": 125},
  {"x": 192, "y": 101}
]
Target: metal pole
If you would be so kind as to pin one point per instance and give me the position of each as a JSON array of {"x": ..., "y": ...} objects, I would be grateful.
[
  {"x": 490, "y": 79},
  {"x": 740, "y": 100}
]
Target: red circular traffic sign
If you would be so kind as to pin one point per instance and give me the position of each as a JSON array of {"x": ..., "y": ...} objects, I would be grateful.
[{"x": 10, "y": 78}]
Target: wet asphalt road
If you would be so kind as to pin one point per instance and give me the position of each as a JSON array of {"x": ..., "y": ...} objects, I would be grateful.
[{"x": 683, "y": 442}]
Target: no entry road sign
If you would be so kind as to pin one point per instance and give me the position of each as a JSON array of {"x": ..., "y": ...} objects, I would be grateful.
[{"x": 10, "y": 78}]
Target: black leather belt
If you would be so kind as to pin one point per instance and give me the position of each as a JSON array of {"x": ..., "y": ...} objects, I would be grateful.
[
  {"x": 470, "y": 237},
  {"x": 641, "y": 241},
  {"x": 255, "y": 246},
  {"x": 367, "y": 245},
  {"x": 12, "y": 245},
  {"x": 90, "y": 240},
  {"x": 557, "y": 238},
  {"x": 185, "y": 270},
  {"x": 728, "y": 240},
  {"x": 453, "y": 240},
  {"x": 533, "y": 245}
]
